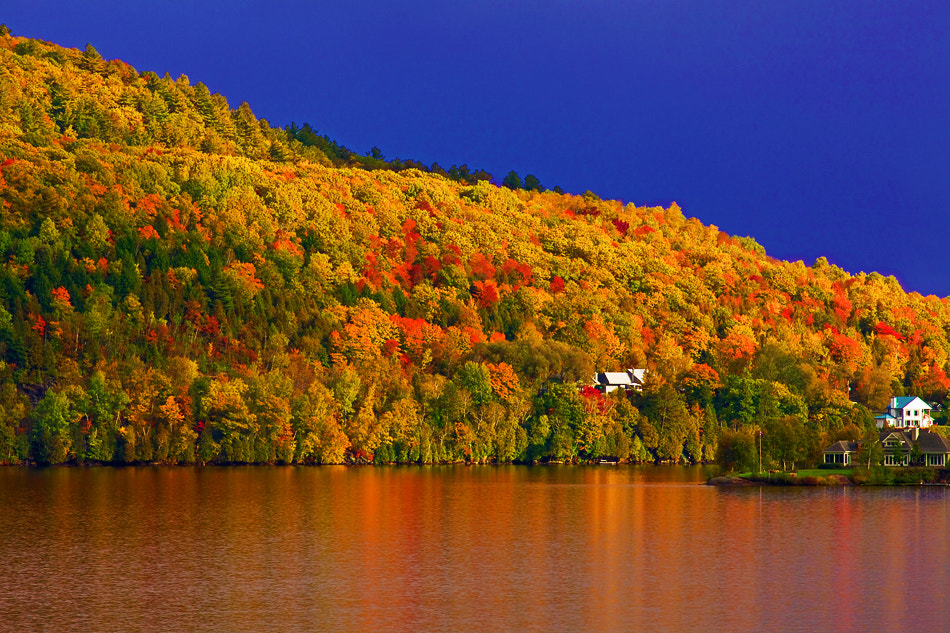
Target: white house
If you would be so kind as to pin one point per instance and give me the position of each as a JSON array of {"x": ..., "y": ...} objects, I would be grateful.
[
  {"x": 905, "y": 412},
  {"x": 609, "y": 381}
]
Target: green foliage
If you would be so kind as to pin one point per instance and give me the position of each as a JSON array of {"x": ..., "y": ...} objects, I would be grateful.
[{"x": 736, "y": 451}]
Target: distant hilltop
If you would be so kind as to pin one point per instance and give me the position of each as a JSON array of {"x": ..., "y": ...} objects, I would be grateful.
[{"x": 181, "y": 282}]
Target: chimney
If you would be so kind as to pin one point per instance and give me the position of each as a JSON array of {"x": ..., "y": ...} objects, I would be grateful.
[{"x": 915, "y": 433}]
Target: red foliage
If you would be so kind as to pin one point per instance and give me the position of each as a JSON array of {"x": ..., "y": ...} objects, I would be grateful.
[
  {"x": 487, "y": 293},
  {"x": 371, "y": 274},
  {"x": 431, "y": 266},
  {"x": 842, "y": 305},
  {"x": 454, "y": 256},
  {"x": 425, "y": 205},
  {"x": 845, "y": 349},
  {"x": 594, "y": 399},
  {"x": 390, "y": 347},
  {"x": 622, "y": 226},
  {"x": 481, "y": 266},
  {"x": 211, "y": 326},
  {"x": 556, "y": 286},
  {"x": 515, "y": 273},
  {"x": 883, "y": 329},
  {"x": 647, "y": 335},
  {"x": 39, "y": 324},
  {"x": 643, "y": 230}
]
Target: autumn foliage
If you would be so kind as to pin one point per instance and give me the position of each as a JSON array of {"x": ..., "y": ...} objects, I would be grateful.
[{"x": 180, "y": 282}]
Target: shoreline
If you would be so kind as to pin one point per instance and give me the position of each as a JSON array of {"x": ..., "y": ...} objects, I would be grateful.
[{"x": 878, "y": 476}]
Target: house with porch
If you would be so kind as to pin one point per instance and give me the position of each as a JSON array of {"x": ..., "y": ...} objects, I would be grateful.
[
  {"x": 630, "y": 380},
  {"x": 842, "y": 453},
  {"x": 914, "y": 447},
  {"x": 911, "y": 446},
  {"x": 905, "y": 412}
]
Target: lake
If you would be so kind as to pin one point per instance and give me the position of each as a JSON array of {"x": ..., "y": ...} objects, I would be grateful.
[{"x": 454, "y": 548}]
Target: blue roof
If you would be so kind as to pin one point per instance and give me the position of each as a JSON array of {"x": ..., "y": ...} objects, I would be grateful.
[{"x": 902, "y": 401}]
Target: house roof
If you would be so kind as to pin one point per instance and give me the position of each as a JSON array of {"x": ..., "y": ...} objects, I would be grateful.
[
  {"x": 843, "y": 446},
  {"x": 614, "y": 378},
  {"x": 620, "y": 378},
  {"x": 902, "y": 402},
  {"x": 933, "y": 443},
  {"x": 928, "y": 441}
]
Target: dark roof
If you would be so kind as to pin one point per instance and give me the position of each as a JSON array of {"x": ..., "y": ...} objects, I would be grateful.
[
  {"x": 843, "y": 447},
  {"x": 928, "y": 441}
]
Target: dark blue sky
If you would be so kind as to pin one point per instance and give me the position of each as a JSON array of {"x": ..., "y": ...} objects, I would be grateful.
[{"x": 820, "y": 128}]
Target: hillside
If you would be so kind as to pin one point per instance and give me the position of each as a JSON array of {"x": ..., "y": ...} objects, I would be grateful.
[{"x": 182, "y": 282}]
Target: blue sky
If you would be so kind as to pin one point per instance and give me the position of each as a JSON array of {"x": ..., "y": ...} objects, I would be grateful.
[{"x": 820, "y": 128}]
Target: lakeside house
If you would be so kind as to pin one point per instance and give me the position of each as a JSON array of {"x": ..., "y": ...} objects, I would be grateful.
[
  {"x": 905, "y": 412},
  {"x": 630, "y": 380},
  {"x": 911, "y": 446},
  {"x": 842, "y": 453},
  {"x": 904, "y": 436}
]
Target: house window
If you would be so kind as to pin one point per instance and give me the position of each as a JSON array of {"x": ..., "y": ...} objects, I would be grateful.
[
  {"x": 936, "y": 460},
  {"x": 894, "y": 460}
]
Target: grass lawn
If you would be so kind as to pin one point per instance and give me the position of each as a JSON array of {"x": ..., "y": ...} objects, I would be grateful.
[
  {"x": 823, "y": 472},
  {"x": 815, "y": 472}
]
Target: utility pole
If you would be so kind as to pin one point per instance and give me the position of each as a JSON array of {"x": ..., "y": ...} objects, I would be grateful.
[{"x": 760, "y": 450}]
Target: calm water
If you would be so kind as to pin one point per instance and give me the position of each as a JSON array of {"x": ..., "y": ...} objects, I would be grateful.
[{"x": 463, "y": 549}]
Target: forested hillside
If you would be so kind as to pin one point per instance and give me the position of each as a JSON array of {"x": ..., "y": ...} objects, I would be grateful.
[{"x": 182, "y": 282}]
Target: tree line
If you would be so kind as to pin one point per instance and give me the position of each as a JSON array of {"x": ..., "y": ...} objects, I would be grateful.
[{"x": 181, "y": 282}]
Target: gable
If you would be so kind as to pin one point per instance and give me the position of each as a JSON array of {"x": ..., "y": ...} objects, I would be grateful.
[
  {"x": 893, "y": 439},
  {"x": 910, "y": 402}
]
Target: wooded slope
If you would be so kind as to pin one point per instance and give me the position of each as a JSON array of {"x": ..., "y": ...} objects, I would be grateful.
[{"x": 182, "y": 282}]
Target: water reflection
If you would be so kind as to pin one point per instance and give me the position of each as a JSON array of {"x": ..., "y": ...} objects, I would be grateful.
[{"x": 611, "y": 548}]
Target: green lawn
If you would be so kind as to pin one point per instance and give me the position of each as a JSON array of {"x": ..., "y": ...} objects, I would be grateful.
[
  {"x": 823, "y": 472},
  {"x": 814, "y": 472}
]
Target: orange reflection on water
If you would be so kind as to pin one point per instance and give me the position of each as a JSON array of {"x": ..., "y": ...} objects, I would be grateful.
[{"x": 463, "y": 549}]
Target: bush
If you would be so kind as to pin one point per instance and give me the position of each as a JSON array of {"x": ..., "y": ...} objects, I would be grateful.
[{"x": 888, "y": 476}]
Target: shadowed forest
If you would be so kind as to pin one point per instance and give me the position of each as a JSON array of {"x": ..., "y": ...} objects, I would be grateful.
[{"x": 182, "y": 282}]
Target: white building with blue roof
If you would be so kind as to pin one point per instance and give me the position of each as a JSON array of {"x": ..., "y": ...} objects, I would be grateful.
[{"x": 905, "y": 412}]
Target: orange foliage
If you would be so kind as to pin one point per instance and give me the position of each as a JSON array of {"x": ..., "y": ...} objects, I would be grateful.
[
  {"x": 247, "y": 273},
  {"x": 504, "y": 380},
  {"x": 61, "y": 297},
  {"x": 148, "y": 232}
]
